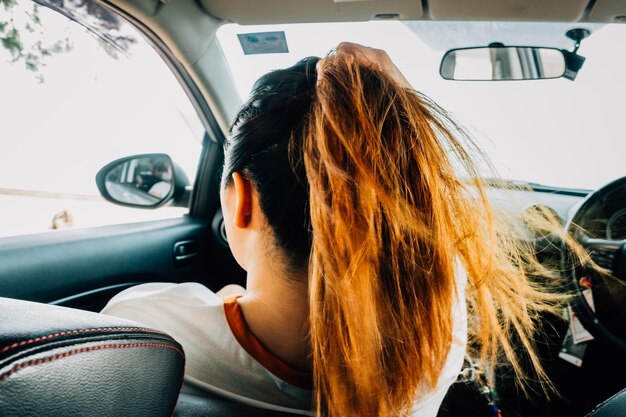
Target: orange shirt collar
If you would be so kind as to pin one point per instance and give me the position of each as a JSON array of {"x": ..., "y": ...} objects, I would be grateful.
[{"x": 252, "y": 345}]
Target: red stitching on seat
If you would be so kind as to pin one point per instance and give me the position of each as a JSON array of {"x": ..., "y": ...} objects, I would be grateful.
[
  {"x": 70, "y": 332},
  {"x": 34, "y": 362}
]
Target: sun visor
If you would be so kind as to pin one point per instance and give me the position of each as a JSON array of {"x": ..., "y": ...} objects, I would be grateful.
[
  {"x": 508, "y": 10},
  {"x": 305, "y": 11},
  {"x": 608, "y": 11}
]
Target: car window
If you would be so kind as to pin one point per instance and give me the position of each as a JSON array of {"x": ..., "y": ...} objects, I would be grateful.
[{"x": 72, "y": 101}]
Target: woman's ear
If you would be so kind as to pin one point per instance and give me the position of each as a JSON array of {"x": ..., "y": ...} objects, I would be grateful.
[{"x": 243, "y": 201}]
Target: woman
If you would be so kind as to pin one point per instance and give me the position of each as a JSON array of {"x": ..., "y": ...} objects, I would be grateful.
[{"x": 358, "y": 215}]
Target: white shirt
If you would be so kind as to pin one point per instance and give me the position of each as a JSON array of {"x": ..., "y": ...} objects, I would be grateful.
[{"x": 224, "y": 357}]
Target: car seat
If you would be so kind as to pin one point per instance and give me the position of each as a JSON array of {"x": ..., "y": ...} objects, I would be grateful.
[{"x": 57, "y": 361}]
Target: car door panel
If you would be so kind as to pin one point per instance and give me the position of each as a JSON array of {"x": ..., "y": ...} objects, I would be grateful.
[{"x": 84, "y": 268}]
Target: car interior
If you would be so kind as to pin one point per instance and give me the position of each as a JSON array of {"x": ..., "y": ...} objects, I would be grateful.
[{"x": 58, "y": 357}]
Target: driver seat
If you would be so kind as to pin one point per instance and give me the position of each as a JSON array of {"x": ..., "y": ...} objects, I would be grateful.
[{"x": 56, "y": 361}]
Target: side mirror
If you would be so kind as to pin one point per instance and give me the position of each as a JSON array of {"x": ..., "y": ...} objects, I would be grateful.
[
  {"x": 144, "y": 181},
  {"x": 497, "y": 62}
]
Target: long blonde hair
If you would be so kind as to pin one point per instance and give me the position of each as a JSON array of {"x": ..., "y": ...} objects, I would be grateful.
[{"x": 395, "y": 198}]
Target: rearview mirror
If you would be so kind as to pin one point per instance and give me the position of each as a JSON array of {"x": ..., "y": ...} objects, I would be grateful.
[
  {"x": 145, "y": 181},
  {"x": 502, "y": 63}
]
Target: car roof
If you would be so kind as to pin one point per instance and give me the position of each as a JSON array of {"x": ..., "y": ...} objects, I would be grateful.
[{"x": 300, "y": 11}]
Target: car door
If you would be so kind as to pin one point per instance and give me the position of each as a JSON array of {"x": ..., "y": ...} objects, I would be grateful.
[{"x": 76, "y": 96}]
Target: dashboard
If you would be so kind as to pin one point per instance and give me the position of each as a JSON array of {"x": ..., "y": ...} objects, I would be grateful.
[
  {"x": 604, "y": 219},
  {"x": 516, "y": 202}
]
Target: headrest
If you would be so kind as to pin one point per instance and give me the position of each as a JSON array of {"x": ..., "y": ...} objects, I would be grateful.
[{"x": 56, "y": 361}]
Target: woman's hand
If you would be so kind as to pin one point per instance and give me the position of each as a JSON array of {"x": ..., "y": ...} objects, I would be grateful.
[{"x": 373, "y": 58}]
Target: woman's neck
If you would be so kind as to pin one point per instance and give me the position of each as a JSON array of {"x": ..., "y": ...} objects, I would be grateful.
[{"x": 276, "y": 309}]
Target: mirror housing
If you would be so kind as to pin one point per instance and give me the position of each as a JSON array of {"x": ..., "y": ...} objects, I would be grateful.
[
  {"x": 144, "y": 181},
  {"x": 497, "y": 62}
]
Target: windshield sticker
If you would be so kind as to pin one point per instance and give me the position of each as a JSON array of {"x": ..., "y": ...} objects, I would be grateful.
[{"x": 263, "y": 43}]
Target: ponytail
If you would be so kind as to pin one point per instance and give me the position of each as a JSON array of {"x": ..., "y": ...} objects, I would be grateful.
[{"x": 380, "y": 290}]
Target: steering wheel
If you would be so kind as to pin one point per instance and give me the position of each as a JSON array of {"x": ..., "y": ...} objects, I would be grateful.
[{"x": 605, "y": 316}]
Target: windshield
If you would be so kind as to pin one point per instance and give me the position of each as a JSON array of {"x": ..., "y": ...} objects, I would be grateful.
[{"x": 553, "y": 132}]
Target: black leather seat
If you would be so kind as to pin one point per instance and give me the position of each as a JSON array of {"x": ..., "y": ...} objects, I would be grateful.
[
  {"x": 193, "y": 406},
  {"x": 57, "y": 361},
  {"x": 613, "y": 407}
]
